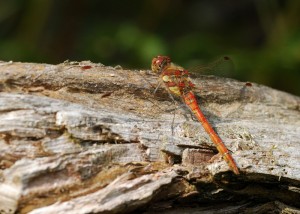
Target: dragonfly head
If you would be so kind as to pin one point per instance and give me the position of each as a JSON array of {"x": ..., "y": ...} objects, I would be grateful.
[{"x": 159, "y": 63}]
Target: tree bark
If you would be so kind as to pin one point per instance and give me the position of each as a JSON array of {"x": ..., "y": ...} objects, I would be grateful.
[{"x": 80, "y": 137}]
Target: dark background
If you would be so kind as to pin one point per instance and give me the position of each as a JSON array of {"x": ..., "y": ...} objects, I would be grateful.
[{"x": 262, "y": 37}]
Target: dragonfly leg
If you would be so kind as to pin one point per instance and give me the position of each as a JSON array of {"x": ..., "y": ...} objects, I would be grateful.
[
  {"x": 156, "y": 88},
  {"x": 173, "y": 122}
]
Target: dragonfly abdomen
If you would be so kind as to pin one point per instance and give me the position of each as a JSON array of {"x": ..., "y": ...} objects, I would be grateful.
[{"x": 190, "y": 100}]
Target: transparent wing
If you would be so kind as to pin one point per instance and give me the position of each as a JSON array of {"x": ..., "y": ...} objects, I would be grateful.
[{"x": 223, "y": 66}]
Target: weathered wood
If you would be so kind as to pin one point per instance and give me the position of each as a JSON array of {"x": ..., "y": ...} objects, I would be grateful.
[{"x": 84, "y": 138}]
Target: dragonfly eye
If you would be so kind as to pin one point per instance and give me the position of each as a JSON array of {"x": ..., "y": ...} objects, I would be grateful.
[{"x": 159, "y": 62}]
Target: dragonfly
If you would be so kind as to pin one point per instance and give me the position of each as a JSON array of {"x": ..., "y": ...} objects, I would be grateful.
[{"x": 178, "y": 83}]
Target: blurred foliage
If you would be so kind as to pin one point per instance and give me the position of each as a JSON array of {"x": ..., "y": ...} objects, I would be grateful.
[{"x": 261, "y": 37}]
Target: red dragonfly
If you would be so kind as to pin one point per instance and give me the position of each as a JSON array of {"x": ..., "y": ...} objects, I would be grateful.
[{"x": 177, "y": 82}]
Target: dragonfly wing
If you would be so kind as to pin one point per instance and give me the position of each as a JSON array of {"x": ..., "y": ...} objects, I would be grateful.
[{"x": 223, "y": 66}]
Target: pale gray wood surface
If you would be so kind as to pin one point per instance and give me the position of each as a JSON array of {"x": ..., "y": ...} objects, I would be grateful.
[{"x": 75, "y": 139}]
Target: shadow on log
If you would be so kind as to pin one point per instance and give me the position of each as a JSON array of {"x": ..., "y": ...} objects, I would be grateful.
[{"x": 85, "y": 138}]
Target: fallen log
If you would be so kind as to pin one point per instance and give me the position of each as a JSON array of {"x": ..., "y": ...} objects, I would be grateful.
[{"x": 80, "y": 137}]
